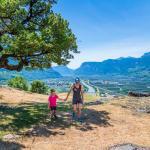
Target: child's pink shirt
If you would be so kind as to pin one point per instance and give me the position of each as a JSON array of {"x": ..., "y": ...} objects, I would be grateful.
[{"x": 52, "y": 100}]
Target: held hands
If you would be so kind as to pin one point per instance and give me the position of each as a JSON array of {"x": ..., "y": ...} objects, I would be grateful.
[{"x": 64, "y": 99}]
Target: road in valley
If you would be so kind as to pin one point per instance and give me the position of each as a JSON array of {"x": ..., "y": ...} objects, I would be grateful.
[{"x": 91, "y": 90}]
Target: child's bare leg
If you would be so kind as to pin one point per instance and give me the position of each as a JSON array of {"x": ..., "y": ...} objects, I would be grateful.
[
  {"x": 52, "y": 113},
  {"x": 55, "y": 114}
]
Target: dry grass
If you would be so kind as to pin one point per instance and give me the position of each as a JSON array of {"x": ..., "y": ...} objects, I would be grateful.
[
  {"x": 134, "y": 103},
  {"x": 14, "y": 96},
  {"x": 105, "y": 125}
]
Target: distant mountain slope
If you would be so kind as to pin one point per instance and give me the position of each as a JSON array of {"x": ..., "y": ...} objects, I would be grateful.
[
  {"x": 40, "y": 74},
  {"x": 64, "y": 70},
  {"x": 116, "y": 66},
  {"x": 30, "y": 75}
]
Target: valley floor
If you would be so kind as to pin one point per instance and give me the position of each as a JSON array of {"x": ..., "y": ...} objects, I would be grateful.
[{"x": 105, "y": 124}]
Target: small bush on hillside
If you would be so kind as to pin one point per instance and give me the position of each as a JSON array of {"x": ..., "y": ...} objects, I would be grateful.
[
  {"x": 39, "y": 87},
  {"x": 18, "y": 82}
]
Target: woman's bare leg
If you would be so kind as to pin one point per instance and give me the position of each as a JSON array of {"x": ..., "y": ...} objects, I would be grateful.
[
  {"x": 74, "y": 110},
  {"x": 79, "y": 107}
]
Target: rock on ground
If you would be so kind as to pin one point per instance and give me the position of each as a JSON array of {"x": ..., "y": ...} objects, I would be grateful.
[{"x": 128, "y": 147}]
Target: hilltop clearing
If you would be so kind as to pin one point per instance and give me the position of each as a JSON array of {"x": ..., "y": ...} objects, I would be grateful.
[{"x": 116, "y": 122}]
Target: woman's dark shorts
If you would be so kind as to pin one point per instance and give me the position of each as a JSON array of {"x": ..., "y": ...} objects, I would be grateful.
[{"x": 75, "y": 101}]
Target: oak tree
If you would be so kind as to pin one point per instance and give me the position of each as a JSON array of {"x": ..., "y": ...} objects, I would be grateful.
[{"x": 31, "y": 34}]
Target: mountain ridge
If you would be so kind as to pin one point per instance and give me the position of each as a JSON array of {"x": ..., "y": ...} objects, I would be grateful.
[
  {"x": 64, "y": 70},
  {"x": 121, "y": 65}
]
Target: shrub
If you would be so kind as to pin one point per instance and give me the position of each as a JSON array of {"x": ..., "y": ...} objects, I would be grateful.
[
  {"x": 39, "y": 87},
  {"x": 18, "y": 82}
]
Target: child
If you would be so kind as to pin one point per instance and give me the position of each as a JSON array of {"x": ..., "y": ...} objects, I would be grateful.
[{"x": 52, "y": 103}]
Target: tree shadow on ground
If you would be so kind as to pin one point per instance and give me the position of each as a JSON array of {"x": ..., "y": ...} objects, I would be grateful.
[
  {"x": 34, "y": 117},
  {"x": 10, "y": 146},
  {"x": 22, "y": 116}
]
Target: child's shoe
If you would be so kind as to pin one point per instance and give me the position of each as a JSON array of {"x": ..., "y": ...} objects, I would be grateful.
[{"x": 55, "y": 117}]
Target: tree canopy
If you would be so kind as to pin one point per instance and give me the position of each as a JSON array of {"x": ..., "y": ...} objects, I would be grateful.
[{"x": 31, "y": 34}]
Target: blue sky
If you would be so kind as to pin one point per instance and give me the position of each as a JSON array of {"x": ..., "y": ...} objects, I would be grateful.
[{"x": 107, "y": 28}]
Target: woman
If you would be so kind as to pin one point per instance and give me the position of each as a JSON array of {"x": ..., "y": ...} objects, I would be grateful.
[{"x": 78, "y": 99}]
